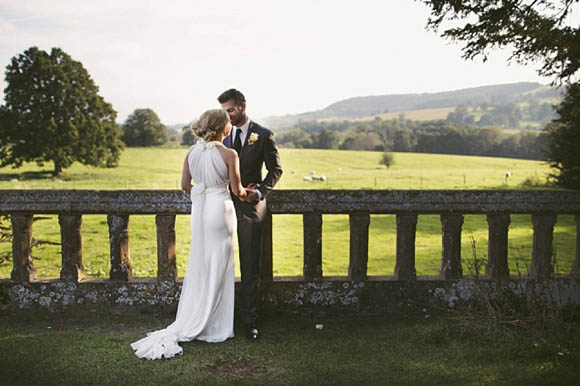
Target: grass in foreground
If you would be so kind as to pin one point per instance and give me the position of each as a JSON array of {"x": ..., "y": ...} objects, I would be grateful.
[{"x": 93, "y": 349}]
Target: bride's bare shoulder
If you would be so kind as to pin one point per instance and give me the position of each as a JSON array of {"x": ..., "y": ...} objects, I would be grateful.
[{"x": 225, "y": 151}]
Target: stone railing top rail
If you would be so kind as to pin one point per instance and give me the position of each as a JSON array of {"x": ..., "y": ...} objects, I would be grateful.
[{"x": 299, "y": 201}]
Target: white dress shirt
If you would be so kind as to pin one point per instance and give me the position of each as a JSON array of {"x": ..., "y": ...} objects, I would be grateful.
[{"x": 245, "y": 127}]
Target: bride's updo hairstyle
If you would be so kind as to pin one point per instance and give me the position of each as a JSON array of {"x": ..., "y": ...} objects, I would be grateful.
[{"x": 210, "y": 124}]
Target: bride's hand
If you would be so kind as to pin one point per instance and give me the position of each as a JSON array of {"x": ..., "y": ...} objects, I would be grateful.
[{"x": 251, "y": 194}]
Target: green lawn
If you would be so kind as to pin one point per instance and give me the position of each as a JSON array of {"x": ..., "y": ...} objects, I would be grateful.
[
  {"x": 93, "y": 349},
  {"x": 158, "y": 168}
]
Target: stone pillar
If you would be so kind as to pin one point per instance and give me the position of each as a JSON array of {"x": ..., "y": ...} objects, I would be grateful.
[
  {"x": 497, "y": 246},
  {"x": 266, "y": 263},
  {"x": 359, "y": 246},
  {"x": 119, "y": 243},
  {"x": 576, "y": 266},
  {"x": 451, "y": 247},
  {"x": 71, "y": 246},
  {"x": 406, "y": 230},
  {"x": 23, "y": 270},
  {"x": 541, "y": 267},
  {"x": 166, "y": 258},
  {"x": 312, "y": 228}
]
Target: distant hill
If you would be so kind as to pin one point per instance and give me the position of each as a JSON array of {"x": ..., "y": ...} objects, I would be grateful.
[{"x": 368, "y": 106}]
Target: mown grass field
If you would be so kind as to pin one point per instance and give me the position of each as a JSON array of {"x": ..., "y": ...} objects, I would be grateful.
[{"x": 158, "y": 168}]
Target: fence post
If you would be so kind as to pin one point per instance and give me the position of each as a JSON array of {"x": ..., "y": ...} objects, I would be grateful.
[
  {"x": 119, "y": 243},
  {"x": 166, "y": 258},
  {"x": 451, "y": 246},
  {"x": 359, "y": 246},
  {"x": 541, "y": 266},
  {"x": 406, "y": 231},
  {"x": 266, "y": 264},
  {"x": 23, "y": 270},
  {"x": 312, "y": 229},
  {"x": 497, "y": 246},
  {"x": 576, "y": 267},
  {"x": 71, "y": 244}
]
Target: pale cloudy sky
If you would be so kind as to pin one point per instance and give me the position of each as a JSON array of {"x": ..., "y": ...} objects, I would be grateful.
[{"x": 176, "y": 56}]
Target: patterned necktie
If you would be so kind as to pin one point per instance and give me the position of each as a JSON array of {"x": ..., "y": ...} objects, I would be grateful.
[{"x": 238, "y": 141}]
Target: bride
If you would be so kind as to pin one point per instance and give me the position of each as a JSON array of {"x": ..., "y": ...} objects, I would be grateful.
[{"x": 206, "y": 306}]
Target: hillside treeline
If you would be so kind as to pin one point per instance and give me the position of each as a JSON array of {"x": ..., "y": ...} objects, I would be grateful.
[{"x": 401, "y": 135}]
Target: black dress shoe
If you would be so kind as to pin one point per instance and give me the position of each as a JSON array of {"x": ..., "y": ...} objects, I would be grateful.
[{"x": 252, "y": 332}]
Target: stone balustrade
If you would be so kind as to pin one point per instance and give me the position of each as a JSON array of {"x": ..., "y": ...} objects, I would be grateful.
[{"x": 407, "y": 205}]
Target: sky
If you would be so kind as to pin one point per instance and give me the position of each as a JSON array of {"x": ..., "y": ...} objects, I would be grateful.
[{"x": 287, "y": 57}]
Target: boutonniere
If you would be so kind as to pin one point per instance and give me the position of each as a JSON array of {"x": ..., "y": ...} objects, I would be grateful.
[{"x": 253, "y": 138}]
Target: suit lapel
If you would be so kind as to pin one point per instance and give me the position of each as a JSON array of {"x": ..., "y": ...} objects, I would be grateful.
[{"x": 245, "y": 146}]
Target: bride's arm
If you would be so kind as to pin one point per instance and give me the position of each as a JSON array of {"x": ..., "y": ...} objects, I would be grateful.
[
  {"x": 235, "y": 179},
  {"x": 186, "y": 175}
]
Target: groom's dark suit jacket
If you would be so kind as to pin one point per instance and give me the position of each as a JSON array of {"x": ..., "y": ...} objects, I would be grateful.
[{"x": 252, "y": 156}]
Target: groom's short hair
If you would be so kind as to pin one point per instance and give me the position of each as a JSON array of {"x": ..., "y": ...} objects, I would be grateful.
[{"x": 234, "y": 94}]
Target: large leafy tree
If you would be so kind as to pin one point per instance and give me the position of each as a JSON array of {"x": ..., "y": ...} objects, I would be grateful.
[
  {"x": 53, "y": 112},
  {"x": 144, "y": 128},
  {"x": 537, "y": 31}
]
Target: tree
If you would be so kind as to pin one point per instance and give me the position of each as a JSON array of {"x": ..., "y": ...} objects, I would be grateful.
[
  {"x": 144, "y": 128},
  {"x": 326, "y": 139},
  {"x": 53, "y": 112},
  {"x": 387, "y": 159},
  {"x": 187, "y": 137},
  {"x": 536, "y": 31},
  {"x": 564, "y": 139}
]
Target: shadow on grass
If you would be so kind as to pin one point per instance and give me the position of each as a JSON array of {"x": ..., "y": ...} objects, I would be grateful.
[{"x": 27, "y": 176}]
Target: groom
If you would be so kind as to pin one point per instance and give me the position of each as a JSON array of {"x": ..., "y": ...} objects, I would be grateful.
[{"x": 255, "y": 146}]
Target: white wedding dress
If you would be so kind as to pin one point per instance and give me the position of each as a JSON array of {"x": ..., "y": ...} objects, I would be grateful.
[{"x": 206, "y": 306}]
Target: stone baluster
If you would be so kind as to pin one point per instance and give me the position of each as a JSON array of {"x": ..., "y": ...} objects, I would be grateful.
[
  {"x": 71, "y": 246},
  {"x": 23, "y": 270},
  {"x": 119, "y": 243},
  {"x": 312, "y": 229},
  {"x": 541, "y": 266},
  {"x": 359, "y": 246},
  {"x": 166, "y": 257},
  {"x": 576, "y": 267},
  {"x": 266, "y": 256},
  {"x": 451, "y": 246},
  {"x": 405, "y": 257},
  {"x": 497, "y": 246}
]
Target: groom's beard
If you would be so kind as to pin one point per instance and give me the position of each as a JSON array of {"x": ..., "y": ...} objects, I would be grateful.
[{"x": 239, "y": 120}]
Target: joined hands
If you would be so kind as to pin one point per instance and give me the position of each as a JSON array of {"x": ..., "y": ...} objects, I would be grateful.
[{"x": 251, "y": 193}]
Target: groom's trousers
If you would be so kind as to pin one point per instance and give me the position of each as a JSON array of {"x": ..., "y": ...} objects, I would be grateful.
[{"x": 249, "y": 236}]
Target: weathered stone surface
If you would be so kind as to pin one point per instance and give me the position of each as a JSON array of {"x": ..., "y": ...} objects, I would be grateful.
[
  {"x": 541, "y": 266},
  {"x": 166, "y": 256},
  {"x": 71, "y": 244},
  {"x": 289, "y": 295},
  {"x": 359, "y": 245},
  {"x": 23, "y": 268},
  {"x": 405, "y": 255},
  {"x": 451, "y": 249},
  {"x": 298, "y": 201},
  {"x": 119, "y": 243},
  {"x": 497, "y": 246},
  {"x": 312, "y": 229}
]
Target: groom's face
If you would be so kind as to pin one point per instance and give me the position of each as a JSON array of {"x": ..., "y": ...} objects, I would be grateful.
[{"x": 235, "y": 111}]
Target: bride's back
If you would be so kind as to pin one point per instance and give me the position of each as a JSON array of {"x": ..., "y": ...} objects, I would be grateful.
[{"x": 207, "y": 165}]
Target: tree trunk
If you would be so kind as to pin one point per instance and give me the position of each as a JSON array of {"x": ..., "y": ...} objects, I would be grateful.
[{"x": 57, "y": 169}]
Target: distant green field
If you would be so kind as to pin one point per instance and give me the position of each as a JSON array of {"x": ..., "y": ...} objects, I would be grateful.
[{"x": 155, "y": 168}]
